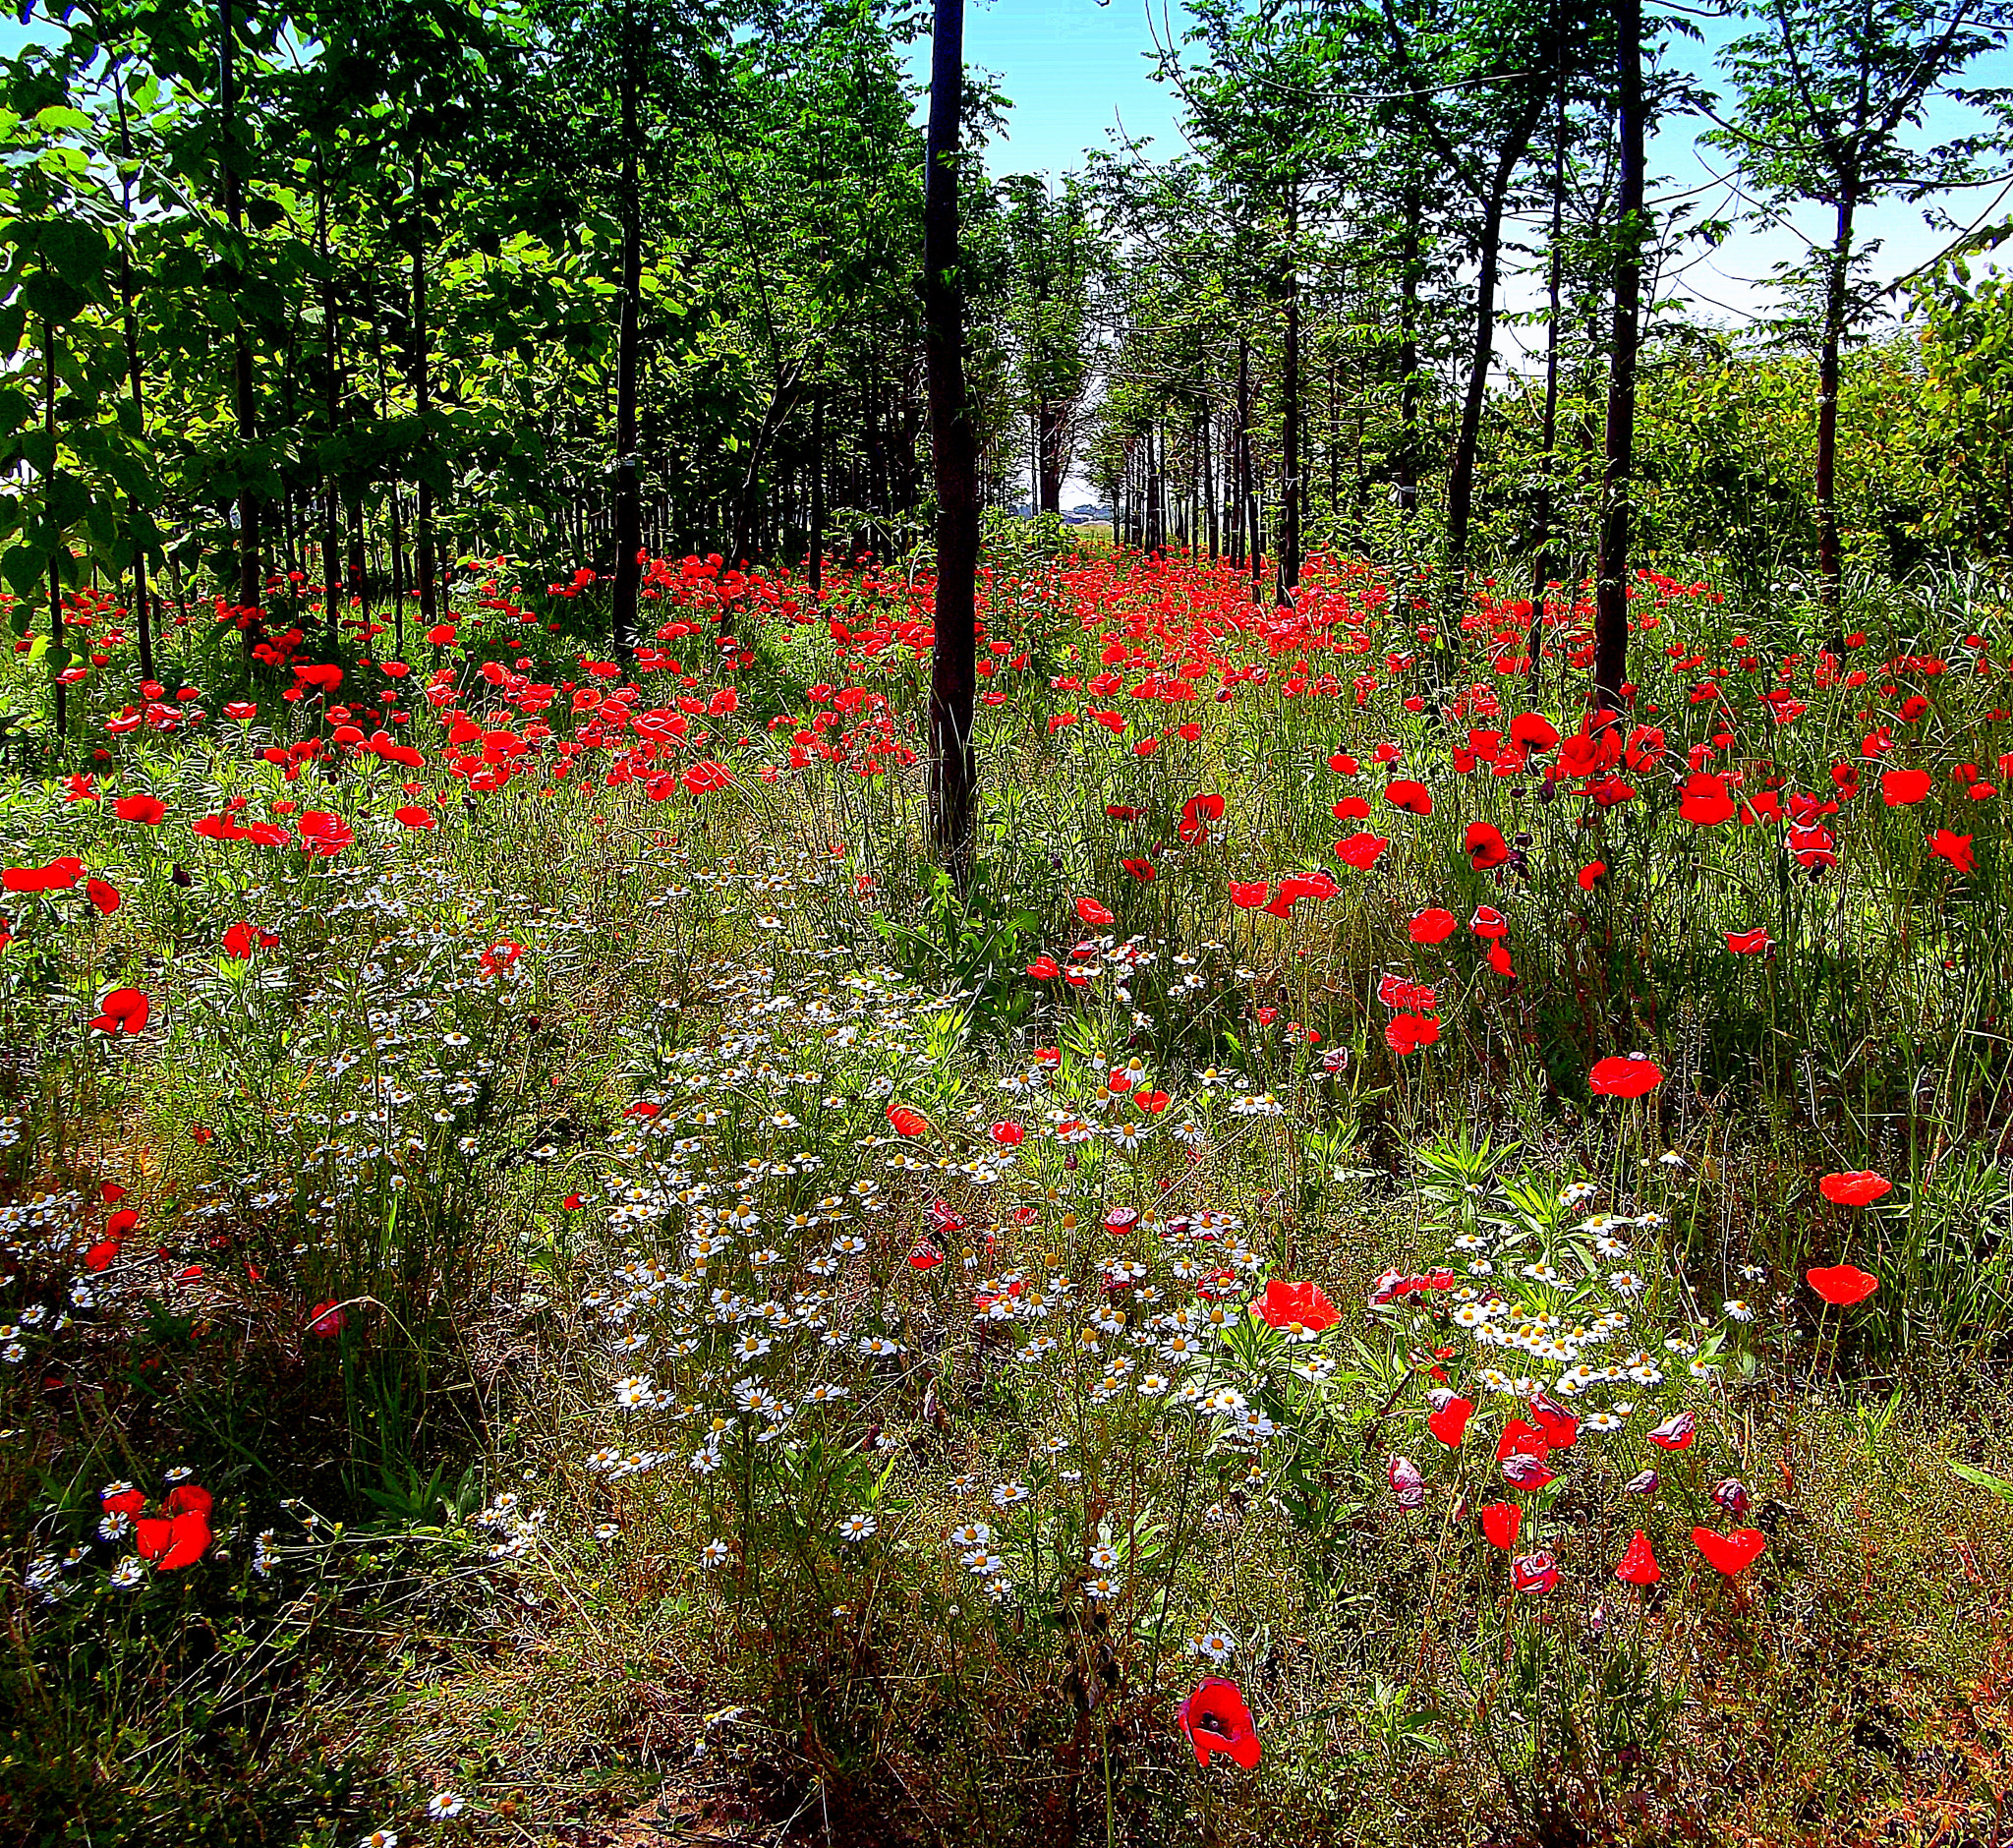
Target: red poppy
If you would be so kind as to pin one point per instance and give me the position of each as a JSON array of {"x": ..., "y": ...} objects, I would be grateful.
[
  {"x": 1519, "y": 1439},
  {"x": 1409, "y": 794},
  {"x": 123, "y": 1011},
  {"x": 326, "y": 676},
  {"x": 1407, "y": 1032},
  {"x": 1484, "y": 845},
  {"x": 1197, "y": 815},
  {"x": 60, "y": 874},
  {"x": 1141, "y": 870},
  {"x": 1249, "y": 894},
  {"x": 1408, "y": 1485},
  {"x": 1956, "y": 848},
  {"x": 1535, "y": 1572},
  {"x": 413, "y": 816},
  {"x": 1592, "y": 873},
  {"x": 1432, "y": 926},
  {"x": 1351, "y": 808},
  {"x": 1677, "y": 1432},
  {"x": 907, "y": 1122},
  {"x": 1842, "y": 1285},
  {"x": 1215, "y": 1719},
  {"x": 1731, "y": 1553},
  {"x": 1902, "y": 788},
  {"x": 1152, "y": 1102},
  {"x": 1450, "y": 1423},
  {"x": 1527, "y": 1472},
  {"x": 237, "y": 942},
  {"x": 1706, "y": 800},
  {"x": 1500, "y": 1522},
  {"x": 1008, "y": 1135},
  {"x": 1533, "y": 731},
  {"x": 1860, "y": 1188},
  {"x": 1489, "y": 924},
  {"x": 1300, "y": 1305},
  {"x": 1634, "y": 1075},
  {"x": 127, "y": 1502},
  {"x": 706, "y": 777},
  {"x": 1093, "y": 913},
  {"x": 1638, "y": 1564},
  {"x": 325, "y": 833},
  {"x": 105, "y": 897},
  {"x": 146, "y": 809},
  {"x": 1045, "y": 968},
  {"x": 924, "y": 1257},
  {"x": 175, "y": 1541},
  {"x": 1753, "y": 942},
  {"x": 328, "y": 1319},
  {"x": 1360, "y": 850},
  {"x": 1560, "y": 1430}
]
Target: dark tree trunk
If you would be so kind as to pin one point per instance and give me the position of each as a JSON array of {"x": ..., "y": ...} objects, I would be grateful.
[
  {"x": 331, "y": 518},
  {"x": 137, "y": 382},
  {"x": 953, "y": 672},
  {"x": 249, "y": 585},
  {"x": 1407, "y": 472},
  {"x": 816, "y": 563},
  {"x": 1052, "y": 427},
  {"x": 1830, "y": 567},
  {"x": 1289, "y": 418},
  {"x": 628, "y": 517},
  {"x": 1541, "y": 538},
  {"x": 422, "y": 404},
  {"x": 1611, "y": 594}
]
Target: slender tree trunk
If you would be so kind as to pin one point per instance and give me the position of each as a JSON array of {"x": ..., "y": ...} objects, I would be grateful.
[
  {"x": 628, "y": 522},
  {"x": 249, "y": 585},
  {"x": 1411, "y": 231},
  {"x": 816, "y": 563},
  {"x": 331, "y": 518},
  {"x": 1291, "y": 486},
  {"x": 1206, "y": 463},
  {"x": 1052, "y": 422},
  {"x": 1838, "y": 269},
  {"x": 422, "y": 404},
  {"x": 1541, "y": 568},
  {"x": 954, "y": 677},
  {"x": 136, "y": 379},
  {"x": 1611, "y": 594},
  {"x": 56, "y": 663}
]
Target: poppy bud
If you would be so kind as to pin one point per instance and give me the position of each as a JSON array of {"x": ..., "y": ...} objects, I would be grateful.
[
  {"x": 180, "y": 875},
  {"x": 1644, "y": 1484},
  {"x": 1732, "y": 1496},
  {"x": 1408, "y": 1485}
]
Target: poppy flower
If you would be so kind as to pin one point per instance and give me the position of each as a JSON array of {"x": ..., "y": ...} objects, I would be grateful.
[
  {"x": 1489, "y": 924},
  {"x": 1360, "y": 850},
  {"x": 1592, "y": 873},
  {"x": 1677, "y": 1432},
  {"x": 706, "y": 777},
  {"x": 1903, "y": 788},
  {"x": 413, "y": 816},
  {"x": 1731, "y": 1553},
  {"x": 1093, "y": 913},
  {"x": 1484, "y": 845},
  {"x": 1753, "y": 942},
  {"x": 1215, "y": 1719},
  {"x": 105, "y": 897},
  {"x": 60, "y": 874},
  {"x": 123, "y": 1011},
  {"x": 1450, "y": 1423},
  {"x": 907, "y": 1122},
  {"x": 924, "y": 1257},
  {"x": 1500, "y": 1522},
  {"x": 1008, "y": 1135},
  {"x": 1519, "y": 1439},
  {"x": 1152, "y": 1102},
  {"x": 1524, "y": 1472},
  {"x": 237, "y": 942},
  {"x": 1045, "y": 968},
  {"x": 1533, "y": 731},
  {"x": 175, "y": 1541},
  {"x": 148, "y": 810},
  {"x": 1141, "y": 870},
  {"x": 1407, "y": 1033},
  {"x": 1499, "y": 960},
  {"x": 1842, "y": 1285},
  {"x": 328, "y": 1320},
  {"x": 1632, "y": 1074},
  {"x": 1535, "y": 1572},
  {"x": 1409, "y": 794},
  {"x": 1432, "y": 926},
  {"x": 1560, "y": 1430},
  {"x": 1197, "y": 815},
  {"x": 1860, "y": 1188},
  {"x": 1706, "y": 800},
  {"x": 125, "y": 1501},
  {"x": 1408, "y": 1485},
  {"x": 1638, "y": 1564},
  {"x": 1351, "y": 808},
  {"x": 1301, "y": 1306},
  {"x": 1956, "y": 848},
  {"x": 1249, "y": 894},
  {"x": 325, "y": 833}
]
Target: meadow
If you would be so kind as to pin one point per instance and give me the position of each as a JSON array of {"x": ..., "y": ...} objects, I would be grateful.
[{"x": 1408, "y": 1262}]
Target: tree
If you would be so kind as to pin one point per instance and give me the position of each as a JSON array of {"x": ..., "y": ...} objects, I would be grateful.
[
  {"x": 1828, "y": 98},
  {"x": 953, "y": 451},
  {"x": 1048, "y": 311}
]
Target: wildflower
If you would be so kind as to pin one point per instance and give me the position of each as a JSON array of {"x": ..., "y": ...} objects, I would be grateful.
[
  {"x": 856, "y": 1528},
  {"x": 1638, "y": 1564},
  {"x": 1215, "y": 1719},
  {"x": 1213, "y": 1645},
  {"x": 1730, "y": 1553},
  {"x": 443, "y": 1806},
  {"x": 713, "y": 1554}
]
